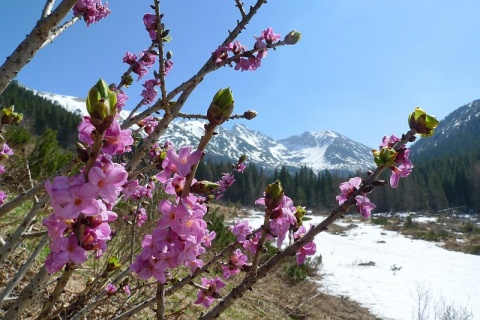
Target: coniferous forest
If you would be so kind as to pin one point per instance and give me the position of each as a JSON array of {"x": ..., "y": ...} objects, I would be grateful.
[{"x": 438, "y": 182}]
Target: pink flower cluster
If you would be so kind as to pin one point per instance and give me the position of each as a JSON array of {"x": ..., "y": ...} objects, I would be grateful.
[
  {"x": 75, "y": 203},
  {"x": 82, "y": 203},
  {"x": 403, "y": 166},
  {"x": 91, "y": 11},
  {"x": 178, "y": 239},
  {"x": 121, "y": 97},
  {"x": 149, "y": 93},
  {"x": 246, "y": 61},
  {"x": 282, "y": 219},
  {"x": 364, "y": 206},
  {"x": 181, "y": 234},
  {"x": 5, "y": 152},
  {"x": 116, "y": 140},
  {"x": 235, "y": 263},
  {"x": 141, "y": 64},
  {"x": 209, "y": 292},
  {"x": 242, "y": 231},
  {"x": 150, "y": 22},
  {"x": 149, "y": 124},
  {"x": 307, "y": 250}
]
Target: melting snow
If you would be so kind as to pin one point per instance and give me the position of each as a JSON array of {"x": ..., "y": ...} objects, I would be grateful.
[{"x": 403, "y": 268}]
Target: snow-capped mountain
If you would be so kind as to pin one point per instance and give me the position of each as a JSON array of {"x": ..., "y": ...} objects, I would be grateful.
[
  {"x": 459, "y": 132},
  {"x": 317, "y": 150}
]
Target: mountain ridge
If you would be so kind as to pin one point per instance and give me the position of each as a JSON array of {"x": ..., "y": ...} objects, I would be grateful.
[{"x": 320, "y": 150}]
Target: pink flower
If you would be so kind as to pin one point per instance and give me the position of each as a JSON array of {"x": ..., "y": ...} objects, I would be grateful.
[
  {"x": 307, "y": 250},
  {"x": 236, "y": 261},
  {"x": 168, "y": 66},
  {"x": 126, "y": 290},
  {"x": 70, "y": 202},
  {"x": 251, "y": 244},
  {"x": 210, "y": 292},
  {"x": 348, "y": 188},
  {"x": 241, "y": 230},
  {"x": 364, "y": 206},
  {"x": 389, "y": 141},
  {"x": 149, "y": 93},
  {"x": 184, "y": 160},
  {"x": 108, "y": 183},
  {"x": 150, "y": 22},
  {"x": 5, "y": 151},
  {"x": 64, "y": 250},
  {"x": 141, "y": 217},
  {"x": 401, "y": 171},
  {"x": 269, "y": 36},
  {"x": 3, "y": 196},
  {"x": 92, "y": 11},
  {"x": 117, "y": 141},
  {"x": 110, "y": 289},
  {"x": 129, "y": 58}
]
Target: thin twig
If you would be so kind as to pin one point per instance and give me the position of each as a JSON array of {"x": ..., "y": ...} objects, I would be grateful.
[
  {"x": 47, "y": 9},
  {"x": 59, "y": 30},
  {"x": 239, "y": 5},
  {"x": 22, "y": 270}
]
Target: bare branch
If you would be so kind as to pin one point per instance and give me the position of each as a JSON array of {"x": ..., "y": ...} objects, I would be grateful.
[
  {"x": 47, "y": 9},
  {"x": 239, "y": 5},
  {"x": 22, "y": 270},
  {"x": 58, "y": 31},
  {"x": 32, "y": 43}
]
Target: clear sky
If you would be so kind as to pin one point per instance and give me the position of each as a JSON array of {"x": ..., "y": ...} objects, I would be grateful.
[{"x": 360, "y": 68}]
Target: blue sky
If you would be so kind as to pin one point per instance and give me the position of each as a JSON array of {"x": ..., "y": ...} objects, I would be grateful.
[{"x": 360, "y": 68}]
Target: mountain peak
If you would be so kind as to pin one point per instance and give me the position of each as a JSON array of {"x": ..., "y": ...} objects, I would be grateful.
[{"x": 318, "y": 150}]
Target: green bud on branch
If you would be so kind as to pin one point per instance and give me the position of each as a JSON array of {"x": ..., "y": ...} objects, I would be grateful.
[
  {"x": 274, "y": 195},
  {"x": 8, "y": 116},
  {"x": 221, "y": 107},
  {"x": 292, "y": 37},
  {"x": 385, "y": 157},
  {"x": 423, "y": 123}
]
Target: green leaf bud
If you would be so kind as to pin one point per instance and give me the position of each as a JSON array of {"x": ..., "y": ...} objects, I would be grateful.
[
  {"x": 221, "y": 107},
  {"x": 113, "y": 264},
  {"x": 385, "y": 157},
  {"x": 204, "y": 187},
  {"x": 101, "y": 103},
  {"x": 8, "y": 116},
  {"x": 274, "y": 194},
  {"x": 292, "y": 37},
  {"x": 249, "y": 114},
  {"x": 423, "y": 123}
]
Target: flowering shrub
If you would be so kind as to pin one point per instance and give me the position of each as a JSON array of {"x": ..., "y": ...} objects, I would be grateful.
[{"x": 137, "y": 170}]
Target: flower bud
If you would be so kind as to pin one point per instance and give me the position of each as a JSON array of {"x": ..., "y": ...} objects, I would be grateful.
[
  {"x": 221, "y": 107},
  {"x": 385, "y": 157},
  {"x": 113, "y": 264},
  {"x": 169, "y": 55},
  {"x": 249, "y": 114},
  {"x": 423, "y": 123},
  {"x": 8, "y": 116},
  {"x": 82, "y": 153},
  {"x": 292, "y": 37},
  {"x": 101, "y": 102},
  {"x": 242, "y": 158},
  {"x": 274, "y": 194},
  {"x": 203, "y": 187},
  {"x": 299, "y": 214}
]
